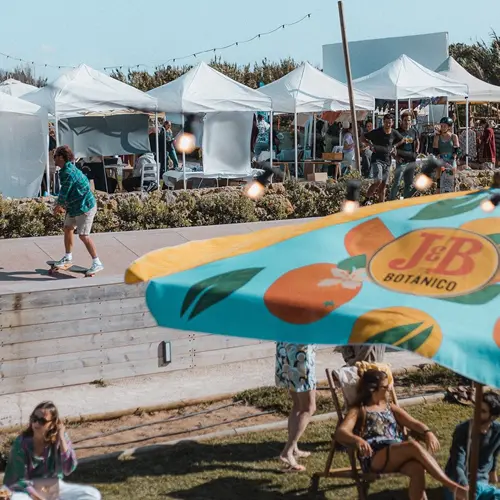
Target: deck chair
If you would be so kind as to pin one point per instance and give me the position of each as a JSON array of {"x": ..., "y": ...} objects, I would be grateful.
[{"x": 346, "y": 391}]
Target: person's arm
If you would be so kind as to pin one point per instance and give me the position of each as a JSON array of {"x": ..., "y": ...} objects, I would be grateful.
[
  {"x": 406, "y": 420},
  {"x": 68, "y": 455},
  {"x": 435, "y": 145},
  {"x": 345, "y": 433},
  {"x": 16, "y": 472},
  {"x": 458, "y": 454},
  {"x": 399, "y": 138},
  {"x": 66, "y": 183}
]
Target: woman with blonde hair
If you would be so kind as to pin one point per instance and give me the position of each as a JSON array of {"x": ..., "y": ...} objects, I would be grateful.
[
  {"x": 39, "y": 459},
  {"x": 372, "y": 426}
]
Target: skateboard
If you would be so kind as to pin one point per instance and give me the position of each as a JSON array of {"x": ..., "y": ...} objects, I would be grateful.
[{"x": 68, "y": 267}]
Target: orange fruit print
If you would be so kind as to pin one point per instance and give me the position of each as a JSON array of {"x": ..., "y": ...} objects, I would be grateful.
[
  {"x": 366, "y": 238},
  {"x": 496, "y": 333},
  {"x": 308, "y": 294}
]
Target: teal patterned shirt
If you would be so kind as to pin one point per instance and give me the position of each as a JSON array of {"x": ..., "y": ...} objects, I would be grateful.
[{"x": 76, "y": 195}]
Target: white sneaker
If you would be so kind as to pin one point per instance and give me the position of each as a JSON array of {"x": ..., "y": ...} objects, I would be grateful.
[{"x": 94, "y": 269}]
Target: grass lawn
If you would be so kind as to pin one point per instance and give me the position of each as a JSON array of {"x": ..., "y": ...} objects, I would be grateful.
[{"x": 246, "y": 467}]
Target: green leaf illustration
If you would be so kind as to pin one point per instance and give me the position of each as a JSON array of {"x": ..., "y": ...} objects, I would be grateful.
[
  {"x": 448, "y": 208},
  {"x": 495, "y": 238},
  {"x": 477, "y": 298},
  {"x": 395, "y": 334},
  {"x": 415, "y": 342},
  {"x": 212, "y": 290},
  {"x": 352, "y": 263}
]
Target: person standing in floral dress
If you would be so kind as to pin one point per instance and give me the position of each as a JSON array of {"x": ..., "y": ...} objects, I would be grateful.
[{"x": 296, "y": 371}]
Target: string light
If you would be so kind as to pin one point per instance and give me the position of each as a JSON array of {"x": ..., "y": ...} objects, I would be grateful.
[{"x": 172, "y": 60}]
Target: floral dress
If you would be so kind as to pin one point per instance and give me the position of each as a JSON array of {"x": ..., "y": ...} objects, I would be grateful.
[
  {"x": 380, "y": 431},
  {"x": 296, "y": 366}
]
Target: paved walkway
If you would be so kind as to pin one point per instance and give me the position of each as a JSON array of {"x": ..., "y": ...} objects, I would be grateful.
[
  {"x": 167, "y": 388},
  {"x": 23, "y": 261}
]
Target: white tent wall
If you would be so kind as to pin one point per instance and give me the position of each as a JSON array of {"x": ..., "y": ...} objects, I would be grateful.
[
  {"x": 226, "y": 144},
  {"x": 23, "y": 147}
]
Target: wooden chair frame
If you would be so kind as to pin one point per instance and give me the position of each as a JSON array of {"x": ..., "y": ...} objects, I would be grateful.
[{"x": 354, "y": 472}]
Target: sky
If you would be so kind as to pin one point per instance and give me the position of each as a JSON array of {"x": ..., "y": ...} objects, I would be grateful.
[{"x": 104, "y": 33}]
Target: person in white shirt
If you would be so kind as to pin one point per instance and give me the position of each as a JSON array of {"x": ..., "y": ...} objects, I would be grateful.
[
  {"x": 348, "y": 146},
  {"x": 134, "y": 181}
]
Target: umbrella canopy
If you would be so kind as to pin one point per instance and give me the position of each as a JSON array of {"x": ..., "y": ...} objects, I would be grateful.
[
  {"x": 15, "y": 88},
  {"x": 204, "y": 90},
  {"x": 420, "y": 274},
  {"x": 405, "y": 78},
  {"x": 479, "y": 91},
  {"x": 308, "y": 90}
]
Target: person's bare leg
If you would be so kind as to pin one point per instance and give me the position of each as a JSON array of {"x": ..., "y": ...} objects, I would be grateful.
[
  {"x": 381, "y": 191},
  {"x": 409, "y": 451},
  {"x": 68, "y": 238},
  {"x": 371, "y": 190},
  {"x": 416, "y": 472},
  {"x": 306, "y": 403},
  {"x": 292, "y": 418},
  {"x": 89, "y": 245}
]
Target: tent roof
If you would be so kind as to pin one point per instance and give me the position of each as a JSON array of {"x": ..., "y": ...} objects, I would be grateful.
[
  {"x": 405, "y": 78},
  {"x": 84, "y": 90},
  {"x": 479, "y": 91},
  {"x": 16, "y": 88},
  {"x": 203, "y": 90},
  {"x": 308, "y": 90},
  {"x": 11, "y": 104}
]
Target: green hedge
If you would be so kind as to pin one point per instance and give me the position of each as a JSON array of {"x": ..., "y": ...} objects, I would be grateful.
[{"x": 203, "y": 207}]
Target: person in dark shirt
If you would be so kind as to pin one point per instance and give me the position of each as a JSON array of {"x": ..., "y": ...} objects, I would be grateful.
[
  {"x": 383, "y": 142},
  {"x": 406, "y": 153},
  {"x": 457, "y": 467}
]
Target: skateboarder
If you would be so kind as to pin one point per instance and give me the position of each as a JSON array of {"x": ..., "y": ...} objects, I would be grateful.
[{"x": 78, "y": 201}]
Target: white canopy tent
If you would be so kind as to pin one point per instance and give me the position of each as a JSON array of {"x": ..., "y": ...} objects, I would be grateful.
[
  {"x": 309, "y": 90},
  {"x": 84, "y": 91},
  {"x": 479, "y": 91},
  {"x": 15, "y": 88},
  {"x": 23, "y": 147},
  {"x": 405, "y": 78},
  {"x": 205, "y": 90}
]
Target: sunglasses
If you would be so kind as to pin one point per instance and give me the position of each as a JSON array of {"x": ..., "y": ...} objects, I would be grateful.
[{"x": 35, "y": 419}]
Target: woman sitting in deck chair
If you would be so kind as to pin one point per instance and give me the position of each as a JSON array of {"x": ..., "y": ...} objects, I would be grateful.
[{"x": 372, "y": 426}]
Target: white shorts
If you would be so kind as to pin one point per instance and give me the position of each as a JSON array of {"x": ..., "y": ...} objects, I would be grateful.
[{"x": 83, "y": 222}]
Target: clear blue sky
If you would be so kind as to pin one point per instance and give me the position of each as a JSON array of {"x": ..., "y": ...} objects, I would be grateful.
[{"x": 115, "y": 32}]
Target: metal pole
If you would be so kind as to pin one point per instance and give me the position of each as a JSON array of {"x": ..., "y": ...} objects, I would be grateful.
[
  {"x": 396, "y": 114},
  {"x": 296, "y": 148},
  {"x": 314, "y": 137},
  {"x": 467, "y": 119},
  {"x": 157, "y": 150},
  {"x": 271, "y": 139},
  {"x": 183, "y": 157},
  {"x": 350, "y": 87},
  {"x": 475, "y": 438}
]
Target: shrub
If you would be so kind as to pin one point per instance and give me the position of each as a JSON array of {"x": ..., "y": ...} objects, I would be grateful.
[{"x": 228, "y": 205}]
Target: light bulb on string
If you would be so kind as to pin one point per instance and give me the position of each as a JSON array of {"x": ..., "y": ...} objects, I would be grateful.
[
  {"x": 491, "y": 203},
  {"x": 351, "y": 202},
  {"x": 256, "y": 188}
]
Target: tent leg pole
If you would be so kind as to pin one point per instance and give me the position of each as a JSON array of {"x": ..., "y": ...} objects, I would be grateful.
[
  {"x": 296, "y": 148},
  {"x": 467, "y": 120},
  {"x": 105, "y": 176},
  {"x": 47, "y": 172},
  {"x": 396, "y": 114},
  {"x": 271, "y": 139},
  {"x": 475, "y": 437},
  {"x": 183, "y": 157},
  {"x": 314, "y": 136},
  {"x": 157, "y": 145}
]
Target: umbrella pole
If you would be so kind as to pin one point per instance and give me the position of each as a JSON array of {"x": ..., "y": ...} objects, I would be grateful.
[
  {"x": 157, "y": 146},
  {"x": 314, "y": 136},
  {"x": 271, "y": 139},
  {"x": 183, "y": 157},
  {"x": 474, "y": 445},
  {"x": 350, "y": 87}
]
